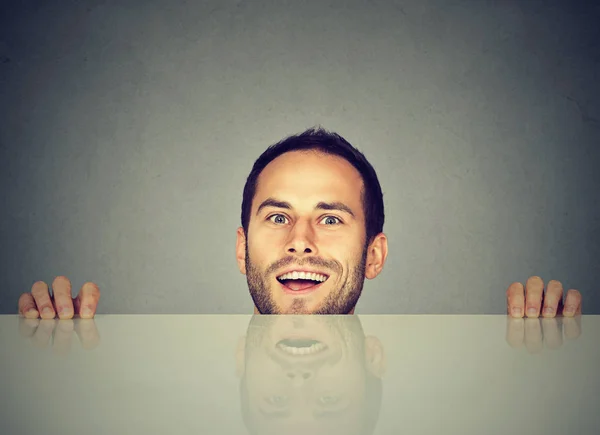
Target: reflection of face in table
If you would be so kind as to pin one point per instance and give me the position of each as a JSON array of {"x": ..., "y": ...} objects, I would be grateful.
[{"x": 309, "y": 374}]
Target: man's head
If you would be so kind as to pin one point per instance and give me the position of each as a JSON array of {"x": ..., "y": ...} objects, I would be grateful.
[
  {"x": 309, "y": 374},
  {"x": 311, "y": 203}
]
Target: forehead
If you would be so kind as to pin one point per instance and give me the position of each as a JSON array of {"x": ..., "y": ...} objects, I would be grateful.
[{"x": 310, "y": 176}]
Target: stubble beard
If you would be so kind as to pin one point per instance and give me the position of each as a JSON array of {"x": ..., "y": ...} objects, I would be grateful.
[{"x": 338, "y": 301}]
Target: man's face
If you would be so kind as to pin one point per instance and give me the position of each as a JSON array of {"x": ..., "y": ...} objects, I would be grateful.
[
  {"x": 307, "y": 374},
  {"x": 291, "y": 229}
]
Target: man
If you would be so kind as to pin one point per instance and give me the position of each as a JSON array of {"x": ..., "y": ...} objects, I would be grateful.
[
  {"x": 312, "y": 231},
  {"x": 309, "y": 374}
]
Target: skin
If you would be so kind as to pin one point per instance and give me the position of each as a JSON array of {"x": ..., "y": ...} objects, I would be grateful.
[
  {"x": 302, "y": 235},
  {"x": 305, "y": 386},
  {"x": 279, "y": 238}
]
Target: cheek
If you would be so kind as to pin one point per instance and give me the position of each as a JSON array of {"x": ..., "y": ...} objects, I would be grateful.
[
  {"x": 344, "y": 246},
  {"x": 264, "y": 244},
  {"x": 263, "y": 249}
]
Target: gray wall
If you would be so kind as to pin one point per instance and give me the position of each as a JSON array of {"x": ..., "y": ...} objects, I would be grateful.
[{"x": 127, "y": 130}]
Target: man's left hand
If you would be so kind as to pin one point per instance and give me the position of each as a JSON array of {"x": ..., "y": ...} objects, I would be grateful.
[{"x": 531, "y": 300}]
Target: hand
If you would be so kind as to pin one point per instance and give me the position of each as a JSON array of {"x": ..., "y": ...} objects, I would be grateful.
[
  {"x": 39, "y": 303},
  {"x": 59, "y": 334},
  {"x": 536, "y": 334},
  {"x": 532, "y": 300}
]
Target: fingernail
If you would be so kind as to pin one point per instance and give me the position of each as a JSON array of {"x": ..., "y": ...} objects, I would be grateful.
[
  {"x": 516, "y": 312},
  {"x": 570, "y": 309},
  {"x": 86, "y": 311},
  {"x": 47, "y": 310},
  {"x": 549, "y": 310},
  {"x": 531, "y": 312},
  {"x": 31, "y": 312},
  {"x": 64, "y": 312}
]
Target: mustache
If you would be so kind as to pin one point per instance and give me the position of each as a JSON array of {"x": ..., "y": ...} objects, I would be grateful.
[{"x": 308, "y": 261}]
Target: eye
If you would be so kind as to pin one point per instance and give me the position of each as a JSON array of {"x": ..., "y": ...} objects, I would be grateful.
[
  {"x": 276, "y": 400},
  {"x": 328, "y": 220},
  {"x": 329, "y": 400},
  {"x": 279, "y": 219}
]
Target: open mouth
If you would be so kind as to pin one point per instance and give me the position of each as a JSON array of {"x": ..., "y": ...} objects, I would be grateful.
[
  {"x": 302, "y": 281},
  {"x": 301, "y": 346}
]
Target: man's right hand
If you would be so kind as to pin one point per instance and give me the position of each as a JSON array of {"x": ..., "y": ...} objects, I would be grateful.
[{"x": 39, "y": 303}]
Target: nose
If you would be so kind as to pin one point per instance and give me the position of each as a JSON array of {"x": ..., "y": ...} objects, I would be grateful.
[
  {"x": 299, "y": 377},
  {"x": 301, "y": 240}
]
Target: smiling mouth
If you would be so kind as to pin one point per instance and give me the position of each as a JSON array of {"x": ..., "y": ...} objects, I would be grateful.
[
  {"x": 298, "y": 281},
  {"x": 301, "y": 346}
]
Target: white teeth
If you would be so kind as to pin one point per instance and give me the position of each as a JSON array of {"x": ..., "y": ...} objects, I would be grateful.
[
  {"x": 303, "y": 275},
  {"x": 314, "y": 348}
]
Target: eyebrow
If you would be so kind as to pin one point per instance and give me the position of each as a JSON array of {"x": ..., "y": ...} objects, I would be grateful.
[{"x": 336, "y": 205}]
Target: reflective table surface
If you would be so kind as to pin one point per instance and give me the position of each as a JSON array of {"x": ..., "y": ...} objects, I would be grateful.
[{"x": 359, "y": 374}]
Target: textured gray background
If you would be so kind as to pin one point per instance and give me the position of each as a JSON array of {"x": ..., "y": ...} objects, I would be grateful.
[{"x": 127, "y": 130}]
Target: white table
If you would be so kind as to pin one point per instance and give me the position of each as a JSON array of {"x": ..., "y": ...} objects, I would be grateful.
[{"x": 140, "y": 374}]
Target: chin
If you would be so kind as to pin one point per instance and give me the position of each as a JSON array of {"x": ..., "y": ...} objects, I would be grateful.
[{"x": 298, "y": 307}]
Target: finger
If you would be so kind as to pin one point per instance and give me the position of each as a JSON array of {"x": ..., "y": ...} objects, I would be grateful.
[
  {"x": 552, "y": 299},
  {"x": 552, "y": 332},
  {"x": 27, "y": 306},
  {"x": 515, "y": 332},
  {"x": 534, "y": 290},
  {"x": 40, "y": 294},
  {"x": 27, "y": 327},
  {"x": 572, "y": 327},
  {"x": 61, "y": 290},
  {"x": 87, "y": 300},
  {"x": 516, "y": 299},
  {"x": 88, "y": 333},
  {"x": 63, "y": 336},
  {"x": 572, "y": 303},
  {"x": 533, "y": 335},
  {"x": 42, "y": 335}
]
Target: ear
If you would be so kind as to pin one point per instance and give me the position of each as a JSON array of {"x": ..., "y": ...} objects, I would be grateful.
[
  {"x": 374, "y": 356},
  {"x": 376, "y": 256},
  {"x": 240, "y": 250},
  {"x": 240, "y": 355}
]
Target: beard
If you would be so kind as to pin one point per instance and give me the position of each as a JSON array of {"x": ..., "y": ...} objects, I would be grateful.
[{"x": 339, "y": 300}]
